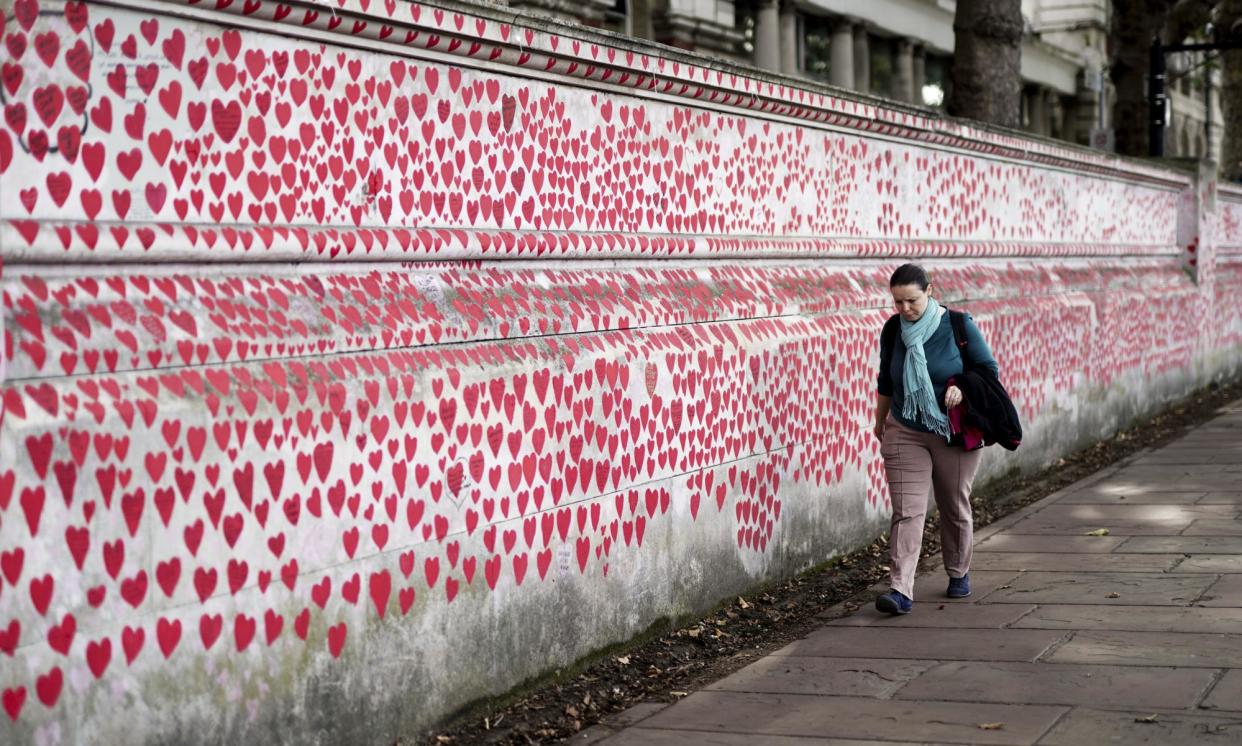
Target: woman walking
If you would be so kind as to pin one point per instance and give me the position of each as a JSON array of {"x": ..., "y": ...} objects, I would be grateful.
[{"x": 919, "y": 355}]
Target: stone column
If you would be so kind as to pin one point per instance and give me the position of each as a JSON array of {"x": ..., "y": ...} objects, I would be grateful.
[
  {"x": 903, "y": 72},
  {"x": 862, "y": 59},
  {"x": 841, "y": 49},
  {"x": 638, "y": 19},
  {"x": 789, "y": 38},
  {"x": 920, "y": 73},
  {"x": 767, "y": 35}
]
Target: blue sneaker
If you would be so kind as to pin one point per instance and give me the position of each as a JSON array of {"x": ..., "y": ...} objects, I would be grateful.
[
  {"x": 894, "y": 602},
  {"x": 959, "y": 587}
]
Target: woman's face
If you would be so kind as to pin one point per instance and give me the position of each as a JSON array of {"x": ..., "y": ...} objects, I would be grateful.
[{"x": 910, "y": 301}]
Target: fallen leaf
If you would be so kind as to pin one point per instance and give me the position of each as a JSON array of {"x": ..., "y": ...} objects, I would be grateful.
[
  {"x": 991, "y": 726},
  {"x": 742, "y": 602},
  {"x": 624, "y": 660},
  {"x": 1113, "y": 595},
  {"x": 1098, "y": 532},
  {"x": 1148, "y": 719}
]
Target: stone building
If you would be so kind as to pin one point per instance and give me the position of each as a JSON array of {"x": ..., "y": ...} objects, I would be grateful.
[
  {"x": 705, "y": 26},
  {"x": 902, "y": 49},
  {"x": 1190, "y": 85}
]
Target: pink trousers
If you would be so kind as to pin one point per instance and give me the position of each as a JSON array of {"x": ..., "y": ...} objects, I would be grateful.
[{"x": 915, "y": 463}]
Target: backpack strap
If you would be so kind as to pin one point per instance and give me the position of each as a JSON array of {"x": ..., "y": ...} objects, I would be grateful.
[
  {"x": 888, "y": 338},
  {"x": 957, "y": 319}
]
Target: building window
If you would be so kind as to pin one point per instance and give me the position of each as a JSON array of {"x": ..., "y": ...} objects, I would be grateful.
[
  {"x": 883, "y": 59},
  {"x": 816, "y": 47},
  {"x": 935, "y": 81},
  {"x": 744, "y": 13},
  {"x": 614, "y": 18}
]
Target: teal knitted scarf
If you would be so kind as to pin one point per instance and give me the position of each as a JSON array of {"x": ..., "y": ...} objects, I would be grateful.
[{"x": 920, "y": 400}]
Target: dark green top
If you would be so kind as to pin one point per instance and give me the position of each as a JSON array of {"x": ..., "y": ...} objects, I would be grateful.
[{"x": 943, "y": 362}]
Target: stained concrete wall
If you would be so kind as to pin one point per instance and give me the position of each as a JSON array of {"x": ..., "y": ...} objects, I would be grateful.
[{"x": 362, "y": 361}]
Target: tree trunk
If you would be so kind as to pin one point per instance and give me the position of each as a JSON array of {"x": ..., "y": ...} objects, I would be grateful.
[
  {"x": 1134, "y": 24},
  {"x": 987, "y": 53},
  {"x": 1229, "y": 28}
]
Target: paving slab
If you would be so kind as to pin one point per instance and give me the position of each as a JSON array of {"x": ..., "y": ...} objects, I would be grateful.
[
  {"x": 765, "y": 715},
  {"x": 1087, "y": 727},
  {"x": 1116, "y": 588},
  {"x": 1224, "y": 423},
  {"x": 1202, "y": 439},
  {"x": 918, "y": 643},
  {"x": 1223, "y": 420},
  {"x": 1150, "y": 649},
  {"x": 1133, "y": 619},
  {"x": 1174, "y": 473},
  {"x": 1116, "y": 527},
  {"x": 635, "y": 714},
  {"x": 1047, "y": 684},
  {"x": 644, "y": 736},
  {"x": 1216, "y": 563},
  {"x": 1183, "y": 457},
  {"x": 1128, "y": 493},
  {"x": 1227, "y": 694},
  {"x": 1132, "y": 488},
  {"x": 1050, "y": 562},
  {"x": 1183, "y": 544},
  {"x": 1220, "y": 497},
  {"x": 1139, "y": 484},
  {"x": 947, "y": 614},
  {"x": 930, "y": 587},
  {"x": 1205, "y": 448},
  {"x": 1120, "y": 519},
  {"x": 1207, "y": 483},
  {"x": 1220, "y": 444},
  {"x": 1147, "y": 513},
  {"x": 1004, "y": 542},
  {"x": 1224, "y": 593},
  {"x": 1095, "y": 497},
  {"x": 853, "y": 677},
  {"x": 1214, "y": 527}
]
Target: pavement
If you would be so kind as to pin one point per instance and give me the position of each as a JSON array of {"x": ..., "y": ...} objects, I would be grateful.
[{"x": 1069, "y": 638}]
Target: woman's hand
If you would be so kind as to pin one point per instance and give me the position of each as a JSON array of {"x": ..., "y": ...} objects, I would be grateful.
[
  {"x": 952, "y": 397},
  {"x": 882, "y": 405}
]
